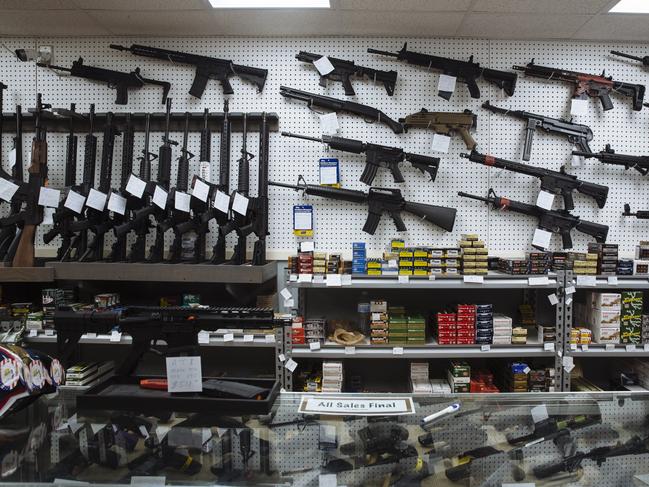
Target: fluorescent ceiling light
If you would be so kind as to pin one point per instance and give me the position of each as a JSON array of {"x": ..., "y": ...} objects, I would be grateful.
[
  {"x": 631, "y": 7},
  {"x": 270, "y": 3}
]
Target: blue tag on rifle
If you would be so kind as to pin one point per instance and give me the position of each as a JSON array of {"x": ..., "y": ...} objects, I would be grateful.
[{"x": 329, "y": 173}]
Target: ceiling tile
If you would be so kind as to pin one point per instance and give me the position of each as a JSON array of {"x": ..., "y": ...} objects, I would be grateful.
[
  {"x": 36, "y": 5},
  {"x": 173, "y": 23},
  {"x": 616, "y": 27},
  {"x": 406, "y": 5},
  {"x": 402, "y": 23},
  {"x": 540, "y": 6},
  {"x": 521, "y": 26},
  {"x": 142, "y": 4},
  {"x": 55, "y": 23}
]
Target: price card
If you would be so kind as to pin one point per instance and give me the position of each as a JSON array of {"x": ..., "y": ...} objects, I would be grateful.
[
  {"x": 446, "y": 83},
  {"x": 314, "y": 346},
  {"x": 570, "y": 290},
  {"x": 485, "y": 348},
  {"x": 610, "y": 346},
  {"x": 526, "y": 370},
  {"x": 334, "y": 280},
  {"x": 148, "y": 481},
  {"x": 281, "y": 357},
  {"x": 568, "y": 363},
  {"x": 74, "y": 201},
  {"x": 203, "y": 337},
  {"x": 538, "y": 281},
  {"x": 584, "y": 348},
  {"x": 117, "y": 203},
  {"x": 554, "y": 300},
  {"x": 291, "y": 365},
  {"x": 630, "y": 347},
  {"x": 579, "y": 107},
  {"x": 182, "y": 201},
  {"x": 431, "y": 277},
  {"x": 49, "y": 197},
  {"x": 586, "y": 281},
  {"x": 576, "y": 161},
  {"x": 33, "y": 333},
  {"x": 160, "y": 198},
  {"x": 115, "y": 336},
  {"x": 307, "y": 246},
  {"x": 135, "y": 186},
  {"x": 184, "y": 374},
  {"x": 646, "y": 347},
  {"x": 323, "y": 65},
  {"x": 397, "y": 351},
  {"x": 7, "y": 189},
  {"x": 549, "y": 347},
  {"x": 404, "y": 279},
  {"x": 441, "y": 143},
  {"x": 612, "y": 280},
  {"x": 91, "y": 335},
  {"x": 286, "y": 294},
  {"x": 96, "y": 200},
  {"x": 350, "y": 350},
  {"x": 573, "y": 346},
  {"x": 541, "y": 238},
  {"x": 305, "y": 278},
  {"x": 347, "y": 279},
  {"x": 200, "y": 191},
  {"x": 318, "y": 279},
  {"x": 289, "y": 303},
  {"x": 240, "y": 204},
  {"x": 49, "y": 332},
  {"x": 221, "y": 202},
  {"x": 248, "y": 338},
  {"x": 539, "y": 413},
  {"x": 544, "y": 200},
  {"x": 568, "y": 301},
  {"x": 327, "y": 480},
  {"x": 474, "y": 279},
  {"x": 270, "y": 338},
  {"x": 228, "y": 337},
  {"x": 329, "y": 123}
]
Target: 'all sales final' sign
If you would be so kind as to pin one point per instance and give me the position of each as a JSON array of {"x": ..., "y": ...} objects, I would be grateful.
[{"x": 357, "y": 406}]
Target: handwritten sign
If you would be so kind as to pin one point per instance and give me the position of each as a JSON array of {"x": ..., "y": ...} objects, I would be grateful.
[{"x": 184, "y": 374}]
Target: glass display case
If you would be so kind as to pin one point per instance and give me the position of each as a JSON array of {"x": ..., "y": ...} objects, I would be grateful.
[{"x": 576, "y": 439}]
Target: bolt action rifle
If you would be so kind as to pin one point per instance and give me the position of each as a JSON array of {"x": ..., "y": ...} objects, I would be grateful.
[
  {"x": 608, "y": 156},
  {"x": 644, "y": 60},
  {"x": 445, "y": 123}
]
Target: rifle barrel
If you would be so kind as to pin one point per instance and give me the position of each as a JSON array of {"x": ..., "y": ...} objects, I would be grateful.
[
  {"x": 383, "y": 53},
  {"x": 473, "y": 197},
  {"x": 298, "y": 136},
  {"x": 628, "y": 56}
]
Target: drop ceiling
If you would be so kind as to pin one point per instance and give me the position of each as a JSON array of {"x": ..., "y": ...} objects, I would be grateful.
[{"x": 493, "y": 19}]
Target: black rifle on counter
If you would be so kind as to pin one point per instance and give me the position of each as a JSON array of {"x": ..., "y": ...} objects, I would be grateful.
[
  {"x": 644, "y": 59},
  {"x": 465, "y": 71},
  {"x": 206, "y": 68},
  {"x": 640, "y": 214},
  {"x": 577, "y": 134},
  {"x": 379, "y": 201},
  {"x": 608, "y": 156},
  {"x": 117, "y": 80},
  {"x": 370, "y": 114},
  {"x": 555, "y": 182},
  {"x": 553, "y": 221},
  {"x": 344, "y": 70},
  {"x": 377, "y": 156}
]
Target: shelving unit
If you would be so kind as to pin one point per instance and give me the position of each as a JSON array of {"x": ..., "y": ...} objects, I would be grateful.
[{"x": 26, "y": 274}]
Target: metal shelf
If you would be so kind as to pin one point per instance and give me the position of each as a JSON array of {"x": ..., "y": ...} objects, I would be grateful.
[
  {"x": 599, "y": 350},
  {"x": 26, "y": 274},
  {"x": 623, "y": 282}
]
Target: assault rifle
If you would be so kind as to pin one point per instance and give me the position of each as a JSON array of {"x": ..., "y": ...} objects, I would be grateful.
[
  {"x": 554, "y": 221},
  {"x": 588, "y": 85},
  {"x": 121, "y": 82},
  {"x": 555, "y": 182},
  {"x": 379, "y": 201},
  {"x": 343, "y": 70},
  {"x": 370, "y": 114},
  {"x": 577, "y": 134},
  {"x": 608, "y": 156},
  {"x": 445, "y": 123},
  {"x": 206, "y": 68},
  {"x": 644, "y": 60},
  {"x": 465, "y": 71},
  {"x": 377, "y": 156},
  {"x": 640, "y": 214}
]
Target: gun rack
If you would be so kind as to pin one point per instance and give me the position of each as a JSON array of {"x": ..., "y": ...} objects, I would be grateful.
[{"x": 58, "y": 123}]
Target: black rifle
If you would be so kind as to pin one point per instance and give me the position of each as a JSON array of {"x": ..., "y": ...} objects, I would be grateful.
[
  {"x": 99, "y": 221},
  {"x": 644, "y": 60},
  {"x": 118, "y": 80},
  {"x": 370, "y": 114},
  {"x": 343, "y": 70},
  {"x": 206, "y": 68},
  {"x": 555, "y": 182},
  {"x": 377, "y": 156},
  {"x": 577, "y": 134},
  {"x": 588, "y": 85},
  {"x": 608, "y": 156},
  {"x": 222, "y": 218},
  {"x": 554, "y": 221},
  {"x": 634, "y": 446},
  {"x": 640, "y": 214},
  {"x": 465, "y": 71},
  {"x": 379, "y": 201}
]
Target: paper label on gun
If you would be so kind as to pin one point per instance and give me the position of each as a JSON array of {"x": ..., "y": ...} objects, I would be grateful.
[
  {"x": 182, "y": 201},
  {"x": 7, "y": 189},
  {"x": 576, "y": 161},
  {"x": 579, "y": 107},
  {"x": 160, "y": 197},
  {"x": 323, "y": 65},
  {"x": 329, "y": 123},
  {"x": 12, "y": 158},
  {"x": 544, "y": 200},
  {"x": 200, "y": 191},
  {"x": 184, "y": 374},
  {"x": 117, "y": 203},
  {"x": 447, "y": 83},
  {"x": 96, "y": 200},
  {"x": 441, "y": 143},
  {"x": 541, "y": 238},
  {"x": 222, "y": 202},
  {"x": 135, "y": 186},
  {"x": 49, "y": 197},
  {"x": 75, "y": 201},
  {"x": 240, "y": 204}
]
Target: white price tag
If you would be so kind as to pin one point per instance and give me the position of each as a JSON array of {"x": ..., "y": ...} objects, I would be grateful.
[
  {"x": 96, "y": 200},
  {"x": 148, "y": 481},
  {"x": 117, "y": 203},
  {"x": 347, "y": 279},
  {"x": 135, "y": 186},
  {"x": 48, "y": 216},
  {"x": 270, "y": 338},
  {"x": 289, "y": 303},
  {"x": 292, "y": 278},
  {"x": 323, "y": 65},
  {"x": 579, "y": 107},
  {"x": 228, "y": 337},
  {"x": 33, "y": 333},
  {"x": 49, "y": 332},
  {"x": 49, "y": 197},
  {"x": 74, "y": 201},
  {"x": 548, "y": 347},
  {"x": 573, "y": 346},
  {"x": 327, "y": 480},
  {"x": 474, "y": 279},
  {"x": 404, "y": 279},
  {"x": 12, "y": 158},
  {"x": 526, "y": 370},
  {"x": 612, "y": 280},
  {"x": 205, "y": 170},
  {"x": 397, "y": 351},
  {"x": 115, "y": 336},
  {"x": 539, "y": 413},
  {"x": 584, "y": 348},
  {"x": 286, "y": 294},
  {"x": 441, "y": 143},
  {"x": 431, "y": 277},
  {"x": 7, "y": 189},
  {"x": 203, "y": 337},
  {"x": 200, "y": 191},
  {"x": 182, "y": 201},
  {"x": 350, "y": 350},
  {"x": 248, "y": 338},
  {"x": 586, "y": 281},
  {"x": 610, "y": 346},
  {"x": 544, "y": 200},
  {"x": 221, "y": 202},
  {"x": 576, "y": 161},
  {"x": 307, "y": 246},
  {"x": 305, "y": 278},
  {"x": 160, "y": 198},
  {"x": 240, "y": 204},
  {"x": 334, "y": 280},
  {"x": 184, "y": 374},
  {"x": 538, "y": 281},
  {"x": 281, "y": 357},
  {"x": 318, "y": 279},
  {"x": 568, "y": 301},
  {"x": 541, "y": 238},
  {"x": 314, "y": 346},
  {"x": 485, "y": 348},
  {"x": 630, "y": 347},
  {"x": 291, "y": 365},
  {"x": 568, "y": 363},
  {"x": 570, "y": 290},
  {"x": 446, "y": 83},
  {"x": 554, "y": 300},
  {"x": 646, "y": 347},
  {"x": 329, "y": 126}
]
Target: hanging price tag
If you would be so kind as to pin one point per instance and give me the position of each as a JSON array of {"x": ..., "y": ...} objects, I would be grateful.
[
  {"x": 446, "y": 83},
  {"x": 182, "y": 201},
  {"x": 314, "y": 346},
  {"x": 221, "y": 202},
  {"x": 200, "y": 191},
  {"x": 576, "y": 161},
  {"x": 7, "y": 189},
  {"x": 541, "y": 238},
  {"x": 160, "y": 198},
  {"x": 240, "y": 204},
  {"x": 579, "y": 107},
  {"x": 554, "y": 300},
  {"x": 441, "y": 143},
  {"x": 329, "y": 123},
  {"x": 544, "y": 200},
  {"x": 96, "y": 200},
  {"x": 291, "y": 365},
  {"x": 323, "y": 65},
  {"x": 74, "y": 201},
  {"x": 135, "y": 186},
  {"x": 303, "y": 221},
  {"x": 49, "y": 197},
  {"x": 117, "y": 203}
]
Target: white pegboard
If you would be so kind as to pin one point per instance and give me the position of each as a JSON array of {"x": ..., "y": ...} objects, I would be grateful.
[{"x": 337, "y": 225}]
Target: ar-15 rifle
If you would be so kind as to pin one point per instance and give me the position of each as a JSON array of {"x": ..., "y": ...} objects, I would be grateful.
[
  {"x": 379, "y": 201},
  {"x": 377, "y": 156},
  {"x": 206, "y": 68},
  {"x": 555, "y": 182},
  {"x": 644, "y": 60},
  {"x": 445, "y": 123},
  {"x": 122, "y": 82},
  {"x": 577, "y": 134},
  {"x": 608, "y": 156},
  {"x": 640, "y": 214},
  {"x": 465, "y": 71},
  {"x": 554, "y": 221},
  {"x": 343, "y": 70},
  {"x": 588, "y": 85},
  {"x": 370, "y": 114}
]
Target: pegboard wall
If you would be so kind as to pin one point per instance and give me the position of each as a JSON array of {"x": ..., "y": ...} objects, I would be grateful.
[{"x": 337, "y": 225}]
